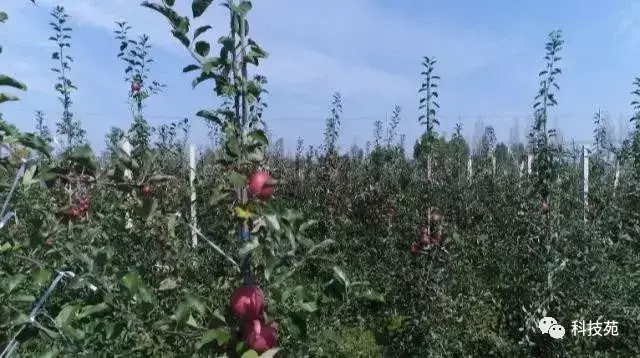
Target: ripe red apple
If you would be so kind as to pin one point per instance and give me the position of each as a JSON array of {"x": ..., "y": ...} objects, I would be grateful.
[
  {"x": 135, "y": 87},
  {"x": 436, "y": 217},
  {"x": 545, "y": 206},
  {"x": 259, "y": 336},
  {"x": 247, "y": 303},
  {"x": 259, "y": 185},
  {"x": 425, "y": 240},
  {"x": 415, "y": 248},
  {"x": 49, "y": 242},
  {"x": 146, "y": 189}
]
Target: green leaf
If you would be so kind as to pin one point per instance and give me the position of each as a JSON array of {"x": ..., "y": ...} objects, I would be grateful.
[
  {"x": 12, "y": 282},
  {"x": 373, "y": 296},
  {"x": 243, "y": 8},
  {"x": 322, "y": 245},
  {"x": 114, "y": 330},
  {"x": 195, "y": 303},
  {"x": 171, "y": 225},
  {"x": 149, "y": 207},
  {"x": 3, "y": 16},
  {"x": 259, "y": 136},
  {"x": 161, "y": 177},
  {"x": 221, "y": 336},
  {"x": 146, "y": 295},
  {"x": 182, "y": 313},
  {"x": 250, "y": 354},
  {"x": 190, "y": 68},
  {"x": 242, "y": 213},
  {"x": 200, "y": 30},
  {"x": 27, "y": 178},
  {"x": 132, "y": 282},
  {"x": 169, "y": 2},
  {"x": 309, "y": 223},
  {"x": 90, "y": 310},
  {"x": 202, "y": 48},
  {"x": 237, "y": 180},
  {"x": 248, "y": 247},
  {"x": 168, "y": 284},
  {"x": 273, "y": 222},
  {"x": 209, "y": 64},
  {"x": 7, "y": 98},
  {"x": 341, "y": 276},
  {"x": 22, "y": 298},
  {"x": 49, "y": 353},
  {"x": 8, "y": 81},
  {"x": 271, "y": 353},
  {"x": 192, "y": 322},
  {"x": 198, "y": 7},
  {"x": 232, "y": 147},
  {"x": 271, "y": 267},
  {"x": 181, "y": 37},
  {"x": 309, "y": 307},
  {"x": 202, "y": 77},
  {"x": 42, "y": 276},
  {"x": 209, "y": 116},
  {"x": 66, "y": 316}
]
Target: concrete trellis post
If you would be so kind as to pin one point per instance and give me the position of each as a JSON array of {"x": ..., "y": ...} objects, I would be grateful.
[
  {"x": 493, "y": 164},
  {"x": 125, "y": 145},
  {"x": 616, "y": 178},
  {"x": 470, "y": 168},
  {"x": 192, "y": 179},
  {"x": 529, "y": 163},
  {"x": 585, "y": 179}
]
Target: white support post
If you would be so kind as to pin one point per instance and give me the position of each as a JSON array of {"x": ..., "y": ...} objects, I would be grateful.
[
  {"x": 585, "y": 179},
  {"x": 470, "y": 168},
  {"x": 529, "y": 163},
  {"x": 125, "y": 145},
  {"x": 616, "y": 179},
  {"x": 192, "y": 180},
  {"x": 493, "y": 164}
]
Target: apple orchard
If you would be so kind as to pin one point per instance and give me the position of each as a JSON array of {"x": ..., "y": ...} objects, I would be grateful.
[{"x": 446, "y": 251}]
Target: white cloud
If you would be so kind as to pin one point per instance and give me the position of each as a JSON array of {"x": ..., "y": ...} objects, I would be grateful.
[
  {"x": 370, "y": 54},
  {"x": 334, "y": 40},
  {"x": 629, "y": 24}
]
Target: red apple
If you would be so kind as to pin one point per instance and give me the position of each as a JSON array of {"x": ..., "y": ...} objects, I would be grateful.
[
  {"x": 415, "y": 248},
  {"x": 259, "y": 336},
  {"x": 545, "y": 206},
  {"x": 260, "y": 185},
  {"x": 247, "y": 303}
]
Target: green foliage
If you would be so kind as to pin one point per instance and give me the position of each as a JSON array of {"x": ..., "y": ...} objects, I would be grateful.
[
  {"x": 137, "y": 59},
  {"x": 6, "y": 81},
  {"x": 332, "y": 251},
  {"x": 539, "y": 138},
  {"x": 67, "y": 126},
  {"x": 428, "y": 108}
]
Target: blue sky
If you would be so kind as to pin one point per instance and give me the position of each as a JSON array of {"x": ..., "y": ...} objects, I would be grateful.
[{"x": 489, "y": 54}]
